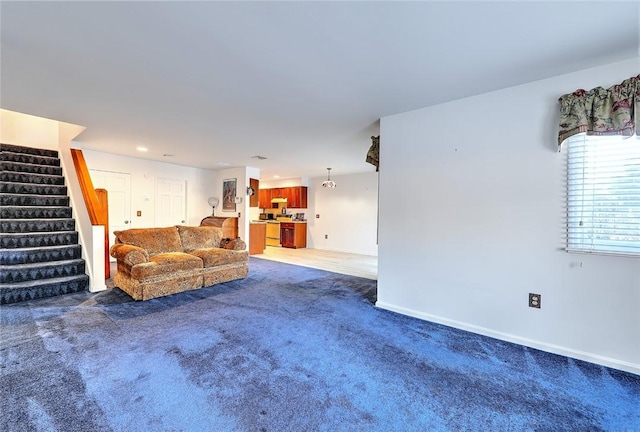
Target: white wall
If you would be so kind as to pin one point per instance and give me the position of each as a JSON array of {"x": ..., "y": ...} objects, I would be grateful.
[
  {"x": 290, "y": 182},
  {"x": 243, "y": 211},
  {"x": 348, "y": 214},
  {"x": 201, "y": 184},
  {"x": 471, "y": 210}
]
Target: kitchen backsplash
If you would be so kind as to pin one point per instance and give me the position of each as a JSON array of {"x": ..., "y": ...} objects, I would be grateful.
[{"x": 282, "y": 209}]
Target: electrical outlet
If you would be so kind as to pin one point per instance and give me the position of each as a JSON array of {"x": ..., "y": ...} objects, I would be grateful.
[
  {"x": 535, "y": 300},
  {"x": 326, "y": 236},
  {"x": 318, "y": 216}
]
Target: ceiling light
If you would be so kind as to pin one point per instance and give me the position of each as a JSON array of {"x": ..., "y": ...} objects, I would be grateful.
[
  {"x": 328, "y": 182},
  {"x": 142, "y": 149}
]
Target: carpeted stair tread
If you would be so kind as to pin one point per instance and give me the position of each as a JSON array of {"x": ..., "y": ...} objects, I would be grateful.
[
  {"x": 24, "y": 240},
  {"x": 28, "y": 150},
  {"x": 8, "y": 156},
  {"x": 10, "y": 274},
  {"x": 32, "y": 189},
  {"x": 31, "y": 290},
  {"x": 39, "y": 250},
  {"x": 36, "y": 225},
  {"x": 33, "y": 200},
  {"x": 21, "y": 177},
  {"x": 30, "y": 212},
  {"x": 31, "y": 168},
  {"x": 40, "y": 254}
]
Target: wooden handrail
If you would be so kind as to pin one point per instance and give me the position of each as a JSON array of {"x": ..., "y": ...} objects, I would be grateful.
[
  {"x": 88, "y": 192},
  {"x": 103, "y": 198},
  {"x": 98, "y": 211}
]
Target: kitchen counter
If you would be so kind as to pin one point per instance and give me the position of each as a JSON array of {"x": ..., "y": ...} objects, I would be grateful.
[{"x": 257, "y": 237}]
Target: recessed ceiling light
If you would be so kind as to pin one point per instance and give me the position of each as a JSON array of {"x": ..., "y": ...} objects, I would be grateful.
[
  {"x": 276, "y": 176},
  {"x": 142, "y": 149}
]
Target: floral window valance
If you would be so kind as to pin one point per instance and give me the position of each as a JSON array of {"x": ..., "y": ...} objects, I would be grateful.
[
  {"x": 600, "y": 111},
  {"x": 373, "y": 155}
]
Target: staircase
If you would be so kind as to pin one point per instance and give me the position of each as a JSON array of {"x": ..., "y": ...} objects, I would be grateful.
[{"x": 39, "y": 251}]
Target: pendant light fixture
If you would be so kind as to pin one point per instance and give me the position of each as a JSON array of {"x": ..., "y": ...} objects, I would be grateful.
[{"x": 328, "y": 183}]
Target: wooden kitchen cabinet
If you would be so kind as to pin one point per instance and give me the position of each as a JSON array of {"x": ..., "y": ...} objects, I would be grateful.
[
  {"x": 297, "y": 197},
  {"x": 277, "y": 193},
  {"x": 257, "y": 238},
  {"x": 303, "y": 197},
  {"x": 264, "y": 198},
  {"x": 284, "y": 193},
  {"x": 293, "y": 235},
  {"x": 287, "y": 237},
  {"x": 254, "y": 199}
]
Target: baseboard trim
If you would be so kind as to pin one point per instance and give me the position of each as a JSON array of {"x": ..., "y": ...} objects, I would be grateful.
[
  {"x": 555, "y": 349},
  {"x": 346, "y": 251}
]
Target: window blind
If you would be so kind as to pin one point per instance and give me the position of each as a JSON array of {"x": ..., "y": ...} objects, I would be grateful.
[{"x": 603, "y": 194}]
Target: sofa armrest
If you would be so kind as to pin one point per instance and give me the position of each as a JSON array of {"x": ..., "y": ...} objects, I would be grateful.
[
  {"x": 233, "y": 244},
  {"x": 129, "y": 254}
]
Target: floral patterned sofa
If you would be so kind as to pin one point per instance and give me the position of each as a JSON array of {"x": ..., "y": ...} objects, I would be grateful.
[{"x": 154, "y": 262}]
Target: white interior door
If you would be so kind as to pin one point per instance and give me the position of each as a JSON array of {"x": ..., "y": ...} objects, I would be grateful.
[
  {"x": 118, "y": 187},
  {"x": 170, "y": 202}
]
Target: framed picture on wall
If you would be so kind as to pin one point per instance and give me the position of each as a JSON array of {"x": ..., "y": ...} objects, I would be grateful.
[{"x": 229, "y": 195}]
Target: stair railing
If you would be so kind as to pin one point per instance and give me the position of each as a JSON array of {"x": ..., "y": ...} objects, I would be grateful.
[{"x": 96, "y": 202}]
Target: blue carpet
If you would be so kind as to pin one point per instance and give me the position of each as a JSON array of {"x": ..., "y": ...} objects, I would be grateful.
[{"x": 287, "y": 349}]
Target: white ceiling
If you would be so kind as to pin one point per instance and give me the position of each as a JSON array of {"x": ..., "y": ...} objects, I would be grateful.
[{"x": 301, "y": 83}]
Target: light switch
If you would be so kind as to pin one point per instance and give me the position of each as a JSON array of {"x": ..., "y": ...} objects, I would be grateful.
[{"x": 138, "y": 213}]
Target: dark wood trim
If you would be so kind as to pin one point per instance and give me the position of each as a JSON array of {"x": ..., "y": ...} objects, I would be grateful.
[{"x": 103, "y": 198}]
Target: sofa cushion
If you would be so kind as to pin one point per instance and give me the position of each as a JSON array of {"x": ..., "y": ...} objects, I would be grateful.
[
  {"x": 153, "y": 240},
  {"x": 199, "y": 237},
  {"x": 166, "y": 263},
  {"x": 215, "y": 256}
]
